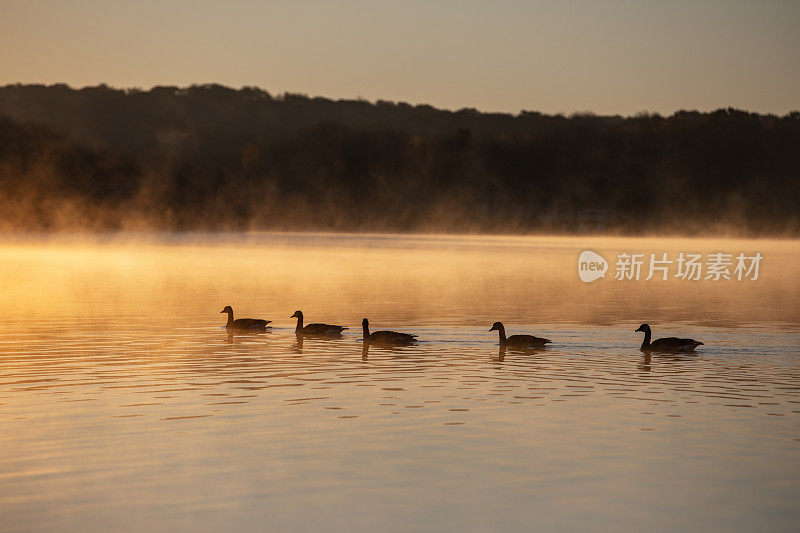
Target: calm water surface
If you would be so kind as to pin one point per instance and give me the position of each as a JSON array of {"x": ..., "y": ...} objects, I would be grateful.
[{"x": 125, "y": 405}]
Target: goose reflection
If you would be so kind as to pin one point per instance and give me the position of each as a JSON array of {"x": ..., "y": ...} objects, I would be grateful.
[
  {"x": 383, "y": 346},
  {"x": 645, "y": 364},
  {"x": 391, "y": 342},
  {"x": 235, "y": 336},
  {"x": 364, "y": 351},
  {"x": 297, "y": 345},
  {"x": 517, "y": 350},
  {"x": 665, "y": 357}
]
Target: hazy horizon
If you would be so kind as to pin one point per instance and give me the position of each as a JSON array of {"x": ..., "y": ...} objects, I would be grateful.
[
  {"x": 283, "y": 94},
  {"x": 615, "y": 58}
]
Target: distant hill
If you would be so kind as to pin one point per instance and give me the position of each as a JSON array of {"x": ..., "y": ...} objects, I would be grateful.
[{"x": 214, "y": 158}]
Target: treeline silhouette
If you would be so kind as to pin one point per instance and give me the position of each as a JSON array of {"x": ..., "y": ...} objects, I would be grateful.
[{"x": 214, "y": 158}]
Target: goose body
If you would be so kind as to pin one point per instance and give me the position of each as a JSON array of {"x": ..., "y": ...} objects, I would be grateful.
[
  {"x": 517, "y": 341},
  {"x": 386, "y": 337},
  {"x": 666, "y": 344},
  {"x": 329, "y": 330},
  {"x": 243, "y": 324}
]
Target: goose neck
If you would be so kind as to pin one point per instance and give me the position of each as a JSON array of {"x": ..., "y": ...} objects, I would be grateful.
[
  {"x": 502, "y": 332},
  {"x": 646, "y": 342}
]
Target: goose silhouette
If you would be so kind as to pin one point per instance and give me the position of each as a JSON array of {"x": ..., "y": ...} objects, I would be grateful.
[
  {"x": 517, "y": 341},
  {"x": 385, "y": 336},
  {"x": 243, "y": 324},
  {"x": 329, "y": 330},
  {"x": 666, "y": 344}
]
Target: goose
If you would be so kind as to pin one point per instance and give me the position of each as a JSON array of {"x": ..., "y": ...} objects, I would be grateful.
[
  {"x": 517, "y": 341},
  {"x": 315, "y": 329},
  {"x": 386, "y": 337},
  {"x": 244, "y": 324},
  {"x": 667, "y": 344}
]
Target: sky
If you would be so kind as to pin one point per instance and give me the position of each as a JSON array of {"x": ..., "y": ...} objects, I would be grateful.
[{"x": 607, "y": 57}]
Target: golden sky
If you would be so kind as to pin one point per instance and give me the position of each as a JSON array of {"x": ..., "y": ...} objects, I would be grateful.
[{"x": 615, "y": 56}]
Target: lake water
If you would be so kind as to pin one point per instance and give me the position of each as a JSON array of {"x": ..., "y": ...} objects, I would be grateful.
[{"x": 125, "y": 406}]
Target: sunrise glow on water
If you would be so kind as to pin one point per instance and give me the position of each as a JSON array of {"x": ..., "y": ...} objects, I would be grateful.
[{"x": 124, "y": 400}]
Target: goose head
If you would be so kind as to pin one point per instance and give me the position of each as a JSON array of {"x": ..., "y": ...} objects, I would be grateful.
[
  {"x": 643, "y": 327},
  {"x": 497, "y": 326},
  {"x": 227, "y": 309},
  {"x": 297, "y": 314},
  {"x": 365, "y": 323}
]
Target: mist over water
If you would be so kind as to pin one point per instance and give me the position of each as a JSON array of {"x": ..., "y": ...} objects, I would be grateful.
[
  {"x": 211, "y": 158},
  {"x": 430, "y": 279},
  {"x": 124, "y": 403}
]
